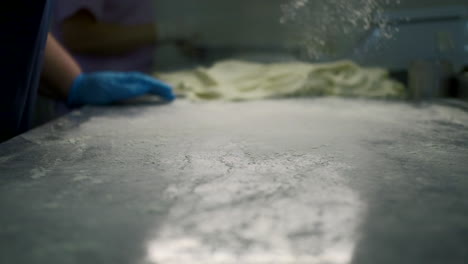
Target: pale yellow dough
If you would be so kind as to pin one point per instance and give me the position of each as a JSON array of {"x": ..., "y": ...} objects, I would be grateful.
[{"x": 235, "y": 80}]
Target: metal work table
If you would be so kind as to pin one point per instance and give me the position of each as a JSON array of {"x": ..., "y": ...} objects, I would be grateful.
[{"x": 287, "y": 181}]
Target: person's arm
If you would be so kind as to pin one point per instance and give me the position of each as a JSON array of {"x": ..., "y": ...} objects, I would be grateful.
[
  {"x": 60, "y": 69},
  {"x": 67, "y": 82},
  {"x": 82, "y": 33}
]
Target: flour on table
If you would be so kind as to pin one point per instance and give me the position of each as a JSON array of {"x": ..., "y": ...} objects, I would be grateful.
[
  {"x": 38, "y": 173},
  {"x": 235, "y": 80}
]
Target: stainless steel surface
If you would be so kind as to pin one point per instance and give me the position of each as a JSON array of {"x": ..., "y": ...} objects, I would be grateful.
[{"x": 288, "y": 181}]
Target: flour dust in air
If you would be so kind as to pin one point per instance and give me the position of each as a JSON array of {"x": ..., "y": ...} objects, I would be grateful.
[{"x": 333, "y": 29}]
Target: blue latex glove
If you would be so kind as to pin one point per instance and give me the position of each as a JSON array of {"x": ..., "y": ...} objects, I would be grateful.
[{"x": 107, "y": 87}]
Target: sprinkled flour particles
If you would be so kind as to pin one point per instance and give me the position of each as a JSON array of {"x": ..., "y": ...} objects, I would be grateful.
[{"x": 327, "y": 29}]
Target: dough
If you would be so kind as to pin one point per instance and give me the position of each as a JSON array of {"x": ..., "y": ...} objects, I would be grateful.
[{"x": 235, "y": 80}]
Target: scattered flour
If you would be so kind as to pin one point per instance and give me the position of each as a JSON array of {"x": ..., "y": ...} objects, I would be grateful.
[
  {"x": 7, "y": 158},
  {"x": 81, "y": 177},
  {"x": 38, "y": 173},
  {"x": 329, "y": 29},
  {"x": 51, "y": 205},
  {"x": 258, "y": 212}
]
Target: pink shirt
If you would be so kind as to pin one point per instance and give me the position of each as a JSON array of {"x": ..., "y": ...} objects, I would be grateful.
[{"x": 124, "y": 12}]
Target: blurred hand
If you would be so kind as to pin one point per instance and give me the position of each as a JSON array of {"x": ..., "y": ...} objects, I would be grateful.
[{"x": 103, "y": 88}]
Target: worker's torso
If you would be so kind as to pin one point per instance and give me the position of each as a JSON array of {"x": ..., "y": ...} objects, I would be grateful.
[{"x": 123, "y": 12}]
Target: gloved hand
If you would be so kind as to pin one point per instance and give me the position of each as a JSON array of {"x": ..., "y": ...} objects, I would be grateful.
[{"x": 107, "y": 87}]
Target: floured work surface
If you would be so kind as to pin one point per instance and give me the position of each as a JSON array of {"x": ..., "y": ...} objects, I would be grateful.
[
  {"x": 236, "y": 80},
  {"x": 287, "y": 181}
]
